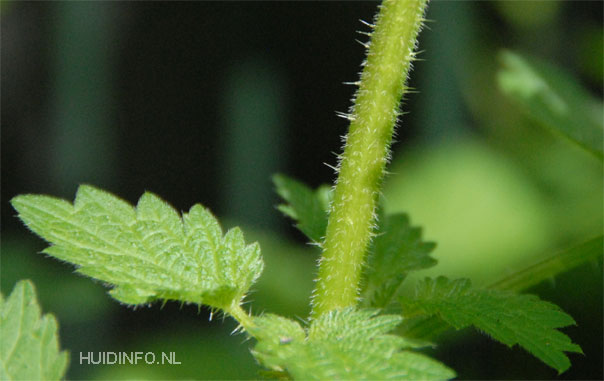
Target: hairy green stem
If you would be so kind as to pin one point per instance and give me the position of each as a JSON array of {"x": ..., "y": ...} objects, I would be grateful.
[
  {"x": 366, "y": 152},
  {"x": 244, "y": 320}
]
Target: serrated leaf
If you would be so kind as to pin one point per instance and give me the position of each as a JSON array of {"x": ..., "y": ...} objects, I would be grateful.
[
  {"x": 396, "y": 250},
  {"x": 554, "y": 99},
  {"x": 509, "y": 318},
  {"x": 345, "y": 345},
  {"x": 428, "y": 327},
  {"x": 148, "y": 252},
  {"x": 29, "y": 349},
  {"x": 309, "y": 208}
]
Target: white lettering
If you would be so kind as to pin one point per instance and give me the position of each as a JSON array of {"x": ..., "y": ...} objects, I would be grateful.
[
  {"x": 152, "y": 357},
  {"x": 87, "y": 358}
]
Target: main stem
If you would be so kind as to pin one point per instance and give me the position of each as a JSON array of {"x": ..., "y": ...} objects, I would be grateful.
[{"x": 366, "y": 152}]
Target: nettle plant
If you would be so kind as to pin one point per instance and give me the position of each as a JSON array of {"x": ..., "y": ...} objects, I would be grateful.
[{"x": 360, "y": 327}]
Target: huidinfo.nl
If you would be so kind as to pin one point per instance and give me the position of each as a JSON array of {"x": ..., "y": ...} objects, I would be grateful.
[{"x": 120, "y": 358}]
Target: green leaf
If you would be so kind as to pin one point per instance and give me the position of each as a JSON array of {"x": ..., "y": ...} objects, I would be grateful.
[
  {"x": 29, "y": 349},
  {"x": 554, "y": 99},
  {"x": 148, "y": 252},
  {"x": 309, "y": 208},
  {"x": 342, "y": 344},
  {"x": 509, "y": 318},
  {"x": 428, "y": 327},
  {"x": 396, "y": 250}
]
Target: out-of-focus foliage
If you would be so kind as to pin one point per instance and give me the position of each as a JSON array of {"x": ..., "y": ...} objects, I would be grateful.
[
  {"x": 74, "y": 298},
  {"x": 286, "y": 263},
  {"x": 484, "y": 213},
  {"x": 529, "y": 14},
  {"x": 553, "y": 99},
  {"x": 548, "y": 268},
  {"x": 591, "y": 44},
  {"x": 29, "y": 349}
]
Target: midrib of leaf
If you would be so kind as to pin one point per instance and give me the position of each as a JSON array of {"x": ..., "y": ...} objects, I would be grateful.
[{"x": 189, "y": 239}]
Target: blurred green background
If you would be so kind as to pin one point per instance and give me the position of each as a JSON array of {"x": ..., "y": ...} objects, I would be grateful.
[{"x": 203, "y": 101}]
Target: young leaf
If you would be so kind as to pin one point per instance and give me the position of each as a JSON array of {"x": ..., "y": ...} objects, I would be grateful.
[
  {"x": 344, "y": 345},
  {"x": 309, "y": 208},
  {"x": 396, "y": 250},
  {"x": 29, "y": 349},
  {"x": 554, "y": 99},
  {"x": 509, "y": 318},
  {"x": 148, "y": 252}
]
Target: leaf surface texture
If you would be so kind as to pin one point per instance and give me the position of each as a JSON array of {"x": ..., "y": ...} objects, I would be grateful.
[
  {"x": 506, "y": 317},
  {"x": 146, "y": 252},
  {"x": 342, "y": 344}
]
